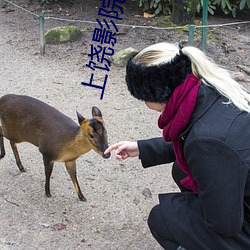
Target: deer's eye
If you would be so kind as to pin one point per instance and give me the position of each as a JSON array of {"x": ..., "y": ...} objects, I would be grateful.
[{"x": 91, "y": 136}]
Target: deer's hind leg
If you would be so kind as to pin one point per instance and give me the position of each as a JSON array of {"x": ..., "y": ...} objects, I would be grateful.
[
  {"x": 71, "y": 168},
  {"x": 18, "y": 161},
  {"x": 1, "y": 144}
]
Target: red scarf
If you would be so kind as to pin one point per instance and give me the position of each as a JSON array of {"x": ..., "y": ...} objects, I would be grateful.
[{"x": 175, "y": 118}]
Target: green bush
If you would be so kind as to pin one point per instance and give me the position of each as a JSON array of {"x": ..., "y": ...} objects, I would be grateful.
[
  {"x": 156, "y": 6},
  {"x": 211, "y": 7},
  {"x": 227, "y": 6},
  {"x": 165, "y": 6},
  {"x": 232, "y": 6}
]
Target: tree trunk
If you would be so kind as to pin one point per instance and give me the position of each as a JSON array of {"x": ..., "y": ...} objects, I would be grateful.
[{"x": 183, "y": 11}]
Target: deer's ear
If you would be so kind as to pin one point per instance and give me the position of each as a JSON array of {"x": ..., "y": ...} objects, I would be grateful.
[
  {"x": 80, "y": 118},
  {"x": 96, "y": 112}
]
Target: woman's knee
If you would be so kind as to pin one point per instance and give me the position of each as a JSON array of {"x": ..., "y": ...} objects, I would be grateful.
[
  {"x": 159, "y": 229},
  {"x": 153, "y": 218}
]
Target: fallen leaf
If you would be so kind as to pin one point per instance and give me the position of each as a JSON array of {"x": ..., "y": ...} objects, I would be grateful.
[
  {"x": 148, "y": 15},
  {"x": 58, "y": 227},
  {"x": 147, "y": 193}
]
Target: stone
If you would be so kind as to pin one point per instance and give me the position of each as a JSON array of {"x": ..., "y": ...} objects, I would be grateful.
[
  {"x": 121, "y": 58},
  {"x": 147, "y": 193},
  {"x": 239, "y": 76},
  {"x": 63, "y": 34},
  {"x": 2, "y": 3}
]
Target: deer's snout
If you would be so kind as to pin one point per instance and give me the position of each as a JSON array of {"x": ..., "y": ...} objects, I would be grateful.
[{"x": 106, "y": 156}]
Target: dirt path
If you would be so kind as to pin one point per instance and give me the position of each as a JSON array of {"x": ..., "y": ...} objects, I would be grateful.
[{"x": 115, "y": 214}]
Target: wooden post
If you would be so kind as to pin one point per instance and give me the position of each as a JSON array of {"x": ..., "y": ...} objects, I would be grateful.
[
  {"x": 42, "y": 32},
  {"x": 204, "y": 24},
  {"x": 191, "y": 35}
]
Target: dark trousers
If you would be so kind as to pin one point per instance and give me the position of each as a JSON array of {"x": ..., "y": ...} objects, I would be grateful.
[{"x": 156, "y": 221}]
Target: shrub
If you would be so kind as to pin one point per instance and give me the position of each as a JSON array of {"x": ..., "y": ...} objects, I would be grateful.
[
  {"x": 165, "y": 6},
  {"x": 157, "y": 6}
]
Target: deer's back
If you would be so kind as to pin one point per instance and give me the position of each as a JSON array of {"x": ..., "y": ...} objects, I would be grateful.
[{"x": 24, "y": 118}]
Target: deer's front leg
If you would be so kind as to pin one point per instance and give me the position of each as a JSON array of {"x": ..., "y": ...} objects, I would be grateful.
[{"x": 71, "y": 168}]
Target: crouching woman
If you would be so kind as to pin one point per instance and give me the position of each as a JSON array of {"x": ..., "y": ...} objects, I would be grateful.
[{"x": 205, "y": 119}]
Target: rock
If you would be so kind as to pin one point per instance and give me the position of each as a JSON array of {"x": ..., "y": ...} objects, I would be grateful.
[
  {"x": 239, "y": 76},
  {"x": 45, "y": 225},
  {"x": 120, "y": 59},
  {"x": 2, "y": 3},
  {"x": 147, "y": 193},
  {"x": 62, "y": 34},
  {"x": 136, "y": 201}
]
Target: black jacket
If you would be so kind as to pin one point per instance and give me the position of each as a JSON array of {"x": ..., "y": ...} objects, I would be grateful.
[{"x": 216, "y": 145}]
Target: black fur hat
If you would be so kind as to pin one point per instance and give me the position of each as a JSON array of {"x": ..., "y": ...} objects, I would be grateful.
[{"x": 156, "y": 83}]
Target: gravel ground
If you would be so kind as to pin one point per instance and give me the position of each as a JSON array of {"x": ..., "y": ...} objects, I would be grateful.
[{"x": 119, "y": 195}]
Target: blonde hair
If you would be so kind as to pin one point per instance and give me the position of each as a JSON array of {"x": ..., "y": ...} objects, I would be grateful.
[{"x": 202, "y": 67}]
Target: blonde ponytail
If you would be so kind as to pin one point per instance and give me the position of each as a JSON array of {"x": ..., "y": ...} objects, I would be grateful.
[{"x": 218, "y": 78}]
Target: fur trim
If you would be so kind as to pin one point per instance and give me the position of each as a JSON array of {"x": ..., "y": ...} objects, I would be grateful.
[{"x": 156, "y": 83}]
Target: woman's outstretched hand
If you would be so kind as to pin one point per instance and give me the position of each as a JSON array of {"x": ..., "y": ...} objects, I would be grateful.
[{"x": 124, "y": 150}]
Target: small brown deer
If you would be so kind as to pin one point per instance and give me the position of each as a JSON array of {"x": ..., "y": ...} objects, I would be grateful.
[{"x": 59, "y": 139}]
